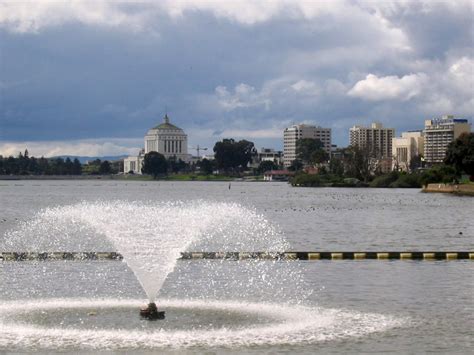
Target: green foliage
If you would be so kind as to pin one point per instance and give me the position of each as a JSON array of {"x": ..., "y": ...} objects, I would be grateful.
[
  {"x": 352, "y": 182},
  {"x": 398, "y": 180},
  {"x": 358, "y": 163},
  {"x": 311, "y": 151},
  {"x": 266, "y": 166},
  {"x": 176, "y": 166},
  {"x": 439, "y": 173},
  {"x": 407, "y": 181},
  {"x": 26, "y": 165},
  {"x": 206, "y": 166},
  {"x": 327, "y": 180},
  {"x": 92, "y": 167},
  {"x": 306, "y": 180},
  {"x": 105, "y": 168},
  {"x": 319, "y": 156},
  {"x": 154, "y": 164},
  {"x": 76, "y": 167},
  {"x": 296, "y": 165},
  {"x": 233, "y": 156},
  {"x": 336, "y": 166},
  {"x": 460, "y": 154},
  {"x": 384, "y": 180}
]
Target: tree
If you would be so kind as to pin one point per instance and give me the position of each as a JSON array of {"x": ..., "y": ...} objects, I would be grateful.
[
  {"x": 460, "y": 154},
  {"x": 154, "y": 164},
  {"x": 266, "y": 165},
  {"x": 336, "y": 166},
  {"x": 76, "y": 167},
  {"x": 206, "y": 166},
  {"x": 319, "y": 156},
  {"x": 117, "y": 166},
  {"x": 57, "y": 166},
  {"x": 232, "y": 155},
  {"x": 68, "y": 166},
  {"x": 360, "y": 163},
  {"x": 175, "y": 166},
  {"x": 296, "y": 165},
  {"x": 105, "y": 167},
  {"x": 416, "y": 162},
  {"x": 439, "y": 173},
  {"x": 245, "y": 152},
  {"x": 309, "y": 148}
]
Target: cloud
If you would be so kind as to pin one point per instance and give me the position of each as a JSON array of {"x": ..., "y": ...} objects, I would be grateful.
[
  {"x": 101, "y": 147},
  {"x": 22, "y": 17},
  {"x": 243, "y": 96},
  {"x": 272, "y": 132},
  {"x": 82, "y": 69},
  {"x": 373, "y": 88},
  {"x": 34, "y": 16},
  {"x": 306, "y": 87}
]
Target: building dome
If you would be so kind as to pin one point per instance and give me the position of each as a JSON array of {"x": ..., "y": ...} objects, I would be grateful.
[
  {"x": 167, "y": 139},
  {"x": 166, "y": 125}
]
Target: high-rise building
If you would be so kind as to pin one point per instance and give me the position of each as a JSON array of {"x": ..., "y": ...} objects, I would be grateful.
[
  {"x": 405, "y": 148},
  {"x": 376, "y": 139},
  {"x": 439, "y": 132},
  {"x": 292, "y": 134}
]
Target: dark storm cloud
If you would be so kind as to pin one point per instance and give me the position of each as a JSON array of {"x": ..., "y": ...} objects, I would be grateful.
[{"x": 221, "y": 71}]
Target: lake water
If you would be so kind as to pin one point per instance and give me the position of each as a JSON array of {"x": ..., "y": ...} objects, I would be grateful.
[{"x": 354, "y": 306}]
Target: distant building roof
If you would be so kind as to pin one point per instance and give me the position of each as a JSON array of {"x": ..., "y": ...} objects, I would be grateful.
[
  {"x": 279, "y": 172},
  {"x": 166, "y": 124}
]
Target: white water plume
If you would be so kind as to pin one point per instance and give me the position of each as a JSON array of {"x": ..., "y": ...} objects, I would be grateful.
[
  {"x": 150, "y": 235},
  {"x": 289, "y": 326}
]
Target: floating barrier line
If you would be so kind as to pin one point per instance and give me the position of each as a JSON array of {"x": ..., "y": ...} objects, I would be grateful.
[{"x": 296, "y": 255}]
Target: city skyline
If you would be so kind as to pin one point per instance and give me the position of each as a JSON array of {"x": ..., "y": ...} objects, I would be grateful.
[{"x": 92, "y": 78}]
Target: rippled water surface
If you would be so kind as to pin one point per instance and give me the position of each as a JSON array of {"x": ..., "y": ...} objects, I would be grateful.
[{"x": 248, "y": 306}]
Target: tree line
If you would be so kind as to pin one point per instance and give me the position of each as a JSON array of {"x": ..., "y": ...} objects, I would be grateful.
[{"x": 23, "y": 164}]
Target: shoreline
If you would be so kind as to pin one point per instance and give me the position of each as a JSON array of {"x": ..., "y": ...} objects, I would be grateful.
[
  {"x": 139, "y": 178},
  {"x": 456, "y": 189}
]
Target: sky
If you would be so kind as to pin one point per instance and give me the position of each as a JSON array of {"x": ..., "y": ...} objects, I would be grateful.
[{"x": 91, "y": 77}]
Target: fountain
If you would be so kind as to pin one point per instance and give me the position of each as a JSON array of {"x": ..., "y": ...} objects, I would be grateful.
[{"x": 209, "y": 303}]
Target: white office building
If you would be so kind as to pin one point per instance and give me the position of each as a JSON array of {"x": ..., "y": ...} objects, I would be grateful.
[
  {"x": 292, "y": 134},
  {"x": 166, "y": 139},
  {"x": 439, "y": 132}
]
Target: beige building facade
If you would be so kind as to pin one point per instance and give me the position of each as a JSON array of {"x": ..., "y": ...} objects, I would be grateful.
[
  {"x": 439, "y": 132},
  {"x": 376, "y": 138},
  {"x": 405, "y": 148},
  {"x": 292, "y": 134},
  {"x": 166, "y": 139}
]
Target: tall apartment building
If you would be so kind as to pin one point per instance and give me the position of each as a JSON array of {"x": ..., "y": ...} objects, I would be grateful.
[
  {"x": 292, "y": 134},
  {"x": 405, "y": 148},
  {"x": 439, "y": 132},
  {"x": 376, "y": 139}
]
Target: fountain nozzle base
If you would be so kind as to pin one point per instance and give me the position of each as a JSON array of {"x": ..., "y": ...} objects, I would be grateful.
[{"x": 151, "y": 312}]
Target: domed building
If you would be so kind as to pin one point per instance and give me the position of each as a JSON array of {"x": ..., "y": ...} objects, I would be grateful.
[{"x": 166, "y": 139}]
